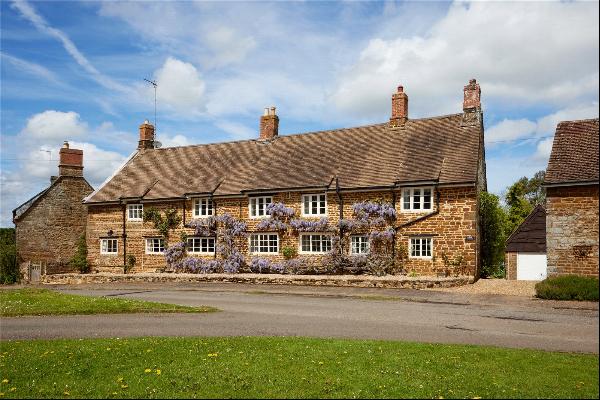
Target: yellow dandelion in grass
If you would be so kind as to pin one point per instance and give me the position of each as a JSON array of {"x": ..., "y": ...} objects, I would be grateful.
[
  {"x": 120, "y": 379},
  {"x": 124, "y": 386},
  {"x": 147, "y": 370},
  {"x": 213, "y": 355},
  {"x": 12, "y": 389},
  {"x": 5, "y": 380},
  {"x": 67, "y": 393},
  {"x": 1, "y": 394},
  {"x": 158, "y": 372}
]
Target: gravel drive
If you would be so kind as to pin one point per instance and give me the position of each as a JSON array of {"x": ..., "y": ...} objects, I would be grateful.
[{"x": 496, "y": 286}]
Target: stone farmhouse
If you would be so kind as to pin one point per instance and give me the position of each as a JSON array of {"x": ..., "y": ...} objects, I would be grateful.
[
  {"x": 429, "y": 170},
  {"x": 49, "y": 224},
  {"x": 571, "y": 184}
]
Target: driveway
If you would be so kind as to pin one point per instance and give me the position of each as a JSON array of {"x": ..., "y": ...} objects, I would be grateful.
[{"x": 271, "y": 310}]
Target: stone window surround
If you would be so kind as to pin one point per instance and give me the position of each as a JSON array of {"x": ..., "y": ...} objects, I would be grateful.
[
  {"x": 321, "y": 240},
  {"x": 151, "y": 249},
  {"x": 133, "y": 209},
  {"x": 254, "y": 206},
  {"x": 356, "y": 242},
  {"x": 422, "y": 199},
  {"x": 260, "y": 237},
  {"x": 105, "y": 249},
  {"x": 198, "y": 205},
  {"x": 321, "y": 197},
  {"x": 422, "y": 239},
  {"x": 200, "y": 246}
]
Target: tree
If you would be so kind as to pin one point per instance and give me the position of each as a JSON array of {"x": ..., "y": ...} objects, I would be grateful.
[
  {"x": 521, "y": 198},
  {"x": 79, "y": 260},
  {"x": 9, "y": 268},
  {"x": 493, "y": 236}
]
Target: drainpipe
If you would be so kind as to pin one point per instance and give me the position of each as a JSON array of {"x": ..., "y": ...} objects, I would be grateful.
[
  {"x": 124, "y": 207},
  {"x": 394, "y": 242},
  {"x": 214, "y": 206},
  {"x": 341, "y": 211}
]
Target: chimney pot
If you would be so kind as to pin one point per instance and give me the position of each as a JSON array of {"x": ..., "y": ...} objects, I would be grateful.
[
  {"x": 146, "y": 136},
  {"x": 65, "y": 145},
  {"x": 269, "y": 124},
  {"x": 399, "y": 108},
  {"x": 472, "y": 96}
]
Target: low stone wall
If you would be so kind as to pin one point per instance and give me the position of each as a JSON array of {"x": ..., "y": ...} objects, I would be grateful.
[{"x": 421, "y": 282}]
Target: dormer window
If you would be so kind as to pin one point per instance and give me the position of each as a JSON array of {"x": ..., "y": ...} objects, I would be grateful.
[
  {"x": 135, "y": 212},
  {"x": 258, "y": 206},
  {"x": 314, "y": 205},
  {"x": 417, "y": 199},
  {"x": 203, "y": 208}
]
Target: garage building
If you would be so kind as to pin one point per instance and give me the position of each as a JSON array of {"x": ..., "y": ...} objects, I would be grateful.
[{"x": 526, "y": 248}]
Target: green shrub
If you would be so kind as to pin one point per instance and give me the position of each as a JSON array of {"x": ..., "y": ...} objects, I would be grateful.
[
  {"x": 9, "y": 268},
  {"x": 79, "y": 260},
  {"x": 289, "y": 252},
  {"x": 130, "y": 263},
  {"x": 568, "y": 287}
]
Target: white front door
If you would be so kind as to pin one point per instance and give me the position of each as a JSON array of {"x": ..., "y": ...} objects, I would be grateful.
[{"x": 531, "y": 266}]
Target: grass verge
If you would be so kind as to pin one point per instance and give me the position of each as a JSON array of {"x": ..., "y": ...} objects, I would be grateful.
[
  {"x": 568, "y": 287},
  {"x": 265, "y": 367},
  {"x": 21, "y": 302}
]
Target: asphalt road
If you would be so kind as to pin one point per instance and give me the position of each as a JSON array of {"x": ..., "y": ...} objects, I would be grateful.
[{"x": 267, "y": 310}]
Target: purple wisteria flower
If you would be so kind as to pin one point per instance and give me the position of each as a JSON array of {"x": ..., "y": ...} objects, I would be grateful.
[
  {"x": 204, "y": 226},
  {"x": 271, "y": 224},
  {"x": 386, "y": 235},
  {"x": 174, "y": 254},
  {"x": 370, "y": 212},
  {"x": 302, "y": 225},
  {"x": 279, "y": 210}
]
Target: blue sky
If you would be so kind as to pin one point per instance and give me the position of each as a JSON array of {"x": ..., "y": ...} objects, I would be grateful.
[{"x": 74, "y": 71}]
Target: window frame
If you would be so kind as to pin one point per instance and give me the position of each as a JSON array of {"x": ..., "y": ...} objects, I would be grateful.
[
  {"x": 268, "y": 240},
  {"x": 368, "y": 242},
  {"x": 310, "y": 205},
  {"x": 322, "y": 234},
  {"x": 129, "y": 209},
  {"x": 199, "y": 201},
  {"x": 256, "y": 199},
  {"x": 189, "y": 248},
  {"x": 109, "y": 253},
  {"x": 154, "y": 252},
  {"x": 421, "y": 238},
  {"x": 422, "y": 199}
]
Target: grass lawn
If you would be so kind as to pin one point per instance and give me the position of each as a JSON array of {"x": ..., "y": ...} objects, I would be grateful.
[
  {"x": 250, "y": 367},
  {"x": 19, "y": 302}
]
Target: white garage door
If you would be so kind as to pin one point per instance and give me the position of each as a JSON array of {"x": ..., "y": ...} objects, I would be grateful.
[{"x": 531, "y": 266}]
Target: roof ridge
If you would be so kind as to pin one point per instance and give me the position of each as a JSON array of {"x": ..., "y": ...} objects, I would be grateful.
[
  {"x": 578, "y": 120},
  {"x": 306, "y": 133}
]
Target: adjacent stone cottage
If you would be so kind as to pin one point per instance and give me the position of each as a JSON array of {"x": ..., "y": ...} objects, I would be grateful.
[
  {"x": 428, "y": 171},
  {"x": 571, "y": 184},
  {"x": 526, "y": 248},
  {"x": 49, "y": 224}
]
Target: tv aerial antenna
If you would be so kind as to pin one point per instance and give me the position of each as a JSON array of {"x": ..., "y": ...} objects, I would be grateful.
[{"x": 154, "y": 85}]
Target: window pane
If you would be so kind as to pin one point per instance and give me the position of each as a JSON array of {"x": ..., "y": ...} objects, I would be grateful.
[
  {"x": 406, "y": 199},
  {"x": 417, "y": 199},
  {"x": 306, "y": 205},
  {"x": 427, "y": 199}
]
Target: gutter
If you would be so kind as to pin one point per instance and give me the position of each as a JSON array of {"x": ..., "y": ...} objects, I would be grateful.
[{"x": 575, "y": 183}]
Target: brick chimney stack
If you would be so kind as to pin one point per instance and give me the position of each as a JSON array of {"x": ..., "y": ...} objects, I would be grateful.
[
  {"x": 71, "y": 161},
  {"x": 472, "y": 101},
  {"x": 146, "y": 136},
  {"x": 269, "y": 124},
  {"x": 399, "y": 108}
]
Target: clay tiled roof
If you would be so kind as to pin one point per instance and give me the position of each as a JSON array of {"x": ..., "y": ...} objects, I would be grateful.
[
  {"x": 530, "y": 236},
  {"x": 441, "y": 149},
  {"x": 574, "y": 156}
]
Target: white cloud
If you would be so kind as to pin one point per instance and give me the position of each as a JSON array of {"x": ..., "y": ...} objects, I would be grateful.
[
  {"x": 229, "y": 46},
  {"x": 31, "y": 68},
  {"x": 508, "y": 130},
  {"x": 28, "y": 12},
  {"x": 173, "y": 141},
  {"x": 523, "y": 53},
  {"x": 54, "y": 126},
  {"x": 543, "y": 149},
  {"x": 236, "y": 130},
  {"x": 180, "y": 87}
]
